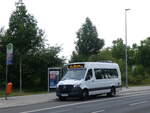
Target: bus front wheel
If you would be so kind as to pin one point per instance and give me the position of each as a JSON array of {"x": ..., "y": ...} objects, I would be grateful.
[
  {"x": 85, "y": 94},
  {"x": 62, "y": 98}
]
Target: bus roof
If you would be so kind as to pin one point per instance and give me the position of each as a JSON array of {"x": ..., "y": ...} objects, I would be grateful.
[{"x": 96, "y": 64}]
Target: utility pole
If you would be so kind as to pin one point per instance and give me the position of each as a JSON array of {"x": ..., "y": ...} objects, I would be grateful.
[{"x": 126, "y": 54}]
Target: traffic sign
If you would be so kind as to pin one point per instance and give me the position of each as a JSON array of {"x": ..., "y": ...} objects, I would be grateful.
[{"x": 9, "y": 57}]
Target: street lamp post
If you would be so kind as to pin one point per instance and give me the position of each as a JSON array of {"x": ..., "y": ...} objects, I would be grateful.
[{"x": 126, "y": 55}]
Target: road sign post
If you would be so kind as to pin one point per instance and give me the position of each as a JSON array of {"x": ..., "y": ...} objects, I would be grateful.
[{"x": 9, "y": 58}]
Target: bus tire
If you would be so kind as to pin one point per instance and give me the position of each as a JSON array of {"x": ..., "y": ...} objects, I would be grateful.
[
  {"x": 112, "y": 92},
  {"x": 62, "y": 98},
  {"x": 85, "y": 94}
]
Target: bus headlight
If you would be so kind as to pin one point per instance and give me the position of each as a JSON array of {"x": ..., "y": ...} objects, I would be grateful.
[
  {"x": 76, "y": 85},
  {"x": 57, "y": 86}
]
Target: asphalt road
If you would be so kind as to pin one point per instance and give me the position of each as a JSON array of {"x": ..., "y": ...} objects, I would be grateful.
[{"x": 130, "y": 103}]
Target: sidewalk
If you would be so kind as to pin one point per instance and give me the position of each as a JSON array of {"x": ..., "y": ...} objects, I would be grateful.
[
  {"x": 34, "y": 99},
  {"x": 26, "y": 100}
]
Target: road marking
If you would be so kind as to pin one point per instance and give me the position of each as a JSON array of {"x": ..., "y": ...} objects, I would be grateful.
[
  {"x": 137, "y": 103},
  {"x": 98, "y": 111},
  {"x": 80, "y": 103},
  {"x": 61, "y": 111}
]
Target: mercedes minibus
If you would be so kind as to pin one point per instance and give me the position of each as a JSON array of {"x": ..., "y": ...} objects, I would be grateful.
[{"x": 84, "y": 79}]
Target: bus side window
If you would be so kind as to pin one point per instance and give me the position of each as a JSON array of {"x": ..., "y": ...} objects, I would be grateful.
[
  {"x": 99, "y": 74},
  {"x": 89, "y": 75},
  {"x": 107, "y": 73},
  {"x": 114, "y": 73}
]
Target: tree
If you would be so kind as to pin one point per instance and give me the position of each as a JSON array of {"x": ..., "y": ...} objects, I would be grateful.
[
  {"x": 133, "y": 55},
  {"x": 118, "y": 49},
  {"x": 2, "y": 58},
  {"x": 75, "y": 57},
  {"x": 144, "y": 53},
  {"x": 36, "y": 67},
  {"x": 104, "y": 55},
  {"x": 88, "y": 42},
  {"x": 24, "y": 33}
]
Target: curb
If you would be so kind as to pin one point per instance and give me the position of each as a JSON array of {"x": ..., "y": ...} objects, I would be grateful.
[{"x": 51, "y": 97}]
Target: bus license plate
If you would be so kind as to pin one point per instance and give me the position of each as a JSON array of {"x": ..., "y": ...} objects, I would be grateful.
[{"x": 64, "y": 95}]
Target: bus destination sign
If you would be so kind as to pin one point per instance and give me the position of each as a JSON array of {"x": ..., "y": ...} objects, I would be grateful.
[{"x": 74, "y": 66}]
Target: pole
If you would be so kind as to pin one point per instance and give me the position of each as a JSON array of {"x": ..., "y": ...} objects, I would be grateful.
[
  {"x": 48, "y": 81},
  {"x": 6, "y": 81},
  {"x": 9, "y": 54},
  {"x": 20, "y": 74},
  {"x": 126, "y": 54}
]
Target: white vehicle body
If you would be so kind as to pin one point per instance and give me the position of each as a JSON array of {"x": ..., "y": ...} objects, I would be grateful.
[{"x": 97, "y": 78}]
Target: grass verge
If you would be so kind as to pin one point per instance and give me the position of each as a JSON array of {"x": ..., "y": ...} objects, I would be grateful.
[{"x": 23, "y": 93}]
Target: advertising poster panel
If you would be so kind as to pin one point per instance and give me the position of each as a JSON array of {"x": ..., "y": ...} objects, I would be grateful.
[
  {"x": 54, "y": 75},
  {"x": 53, "y": 78}
]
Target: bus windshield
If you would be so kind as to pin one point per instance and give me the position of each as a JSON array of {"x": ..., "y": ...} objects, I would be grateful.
[{"x": 75, "y": 74}]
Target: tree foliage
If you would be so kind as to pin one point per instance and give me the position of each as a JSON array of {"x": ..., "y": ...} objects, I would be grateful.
[
  {"x": 118, "y": 49},
  {"x": 88, "y": 42},
  {"x": 23, "y": 31},
  {"x": 144, "y": 52},
  {"x": 2, "y": 56},
  {"x": 35, "y": 68}
]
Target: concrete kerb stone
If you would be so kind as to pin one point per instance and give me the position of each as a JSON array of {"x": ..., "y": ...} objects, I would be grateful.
[{"x": 135, "y": 89}]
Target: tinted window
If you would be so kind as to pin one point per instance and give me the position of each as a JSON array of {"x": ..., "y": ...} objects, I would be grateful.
[
  {"x": 89, "y": 74},
  {"x": 105, "y": 73},
  {"x": 99, "y": 74},
  {"x": 114, "y": 73}
]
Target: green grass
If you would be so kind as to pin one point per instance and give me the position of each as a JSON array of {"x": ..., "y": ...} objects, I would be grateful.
[
  {"x": 132, "y": 85},
  {"x": 23, "y": 93}
]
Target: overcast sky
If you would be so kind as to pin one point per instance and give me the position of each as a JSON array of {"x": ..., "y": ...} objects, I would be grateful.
[{"x": 61, "y": 19}]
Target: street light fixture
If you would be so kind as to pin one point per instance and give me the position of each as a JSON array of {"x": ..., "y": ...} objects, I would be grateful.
[{"x": 126, "y": 56}]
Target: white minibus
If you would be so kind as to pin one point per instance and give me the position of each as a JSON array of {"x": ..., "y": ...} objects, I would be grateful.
[{"x": 84, "y": 79}]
